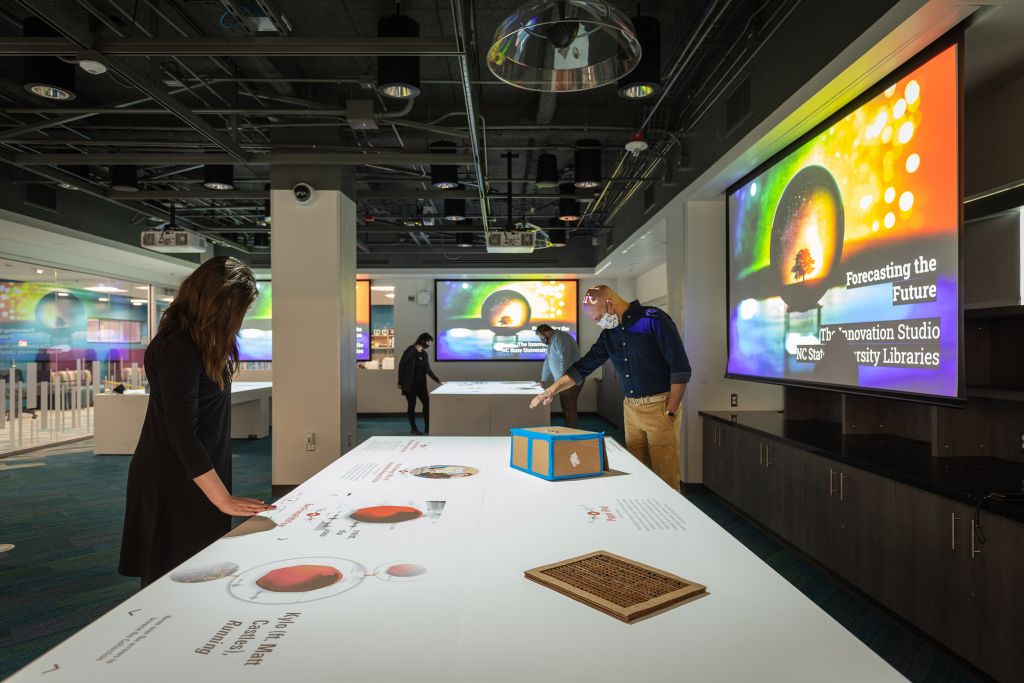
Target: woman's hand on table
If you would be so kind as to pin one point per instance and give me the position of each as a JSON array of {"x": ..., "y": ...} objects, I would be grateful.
[{"x": 242, "y": 507}]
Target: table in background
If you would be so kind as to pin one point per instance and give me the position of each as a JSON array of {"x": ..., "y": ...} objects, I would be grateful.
[
  {"x": 431, "y": 587},
  {"x": 118, "y": 418},
  {"x": 485, "y": 408}
]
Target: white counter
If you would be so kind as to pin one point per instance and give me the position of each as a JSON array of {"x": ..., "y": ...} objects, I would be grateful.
[
  {"x": 118, "y": 418},
  {"x": 485, "y": 408},
  {"x": 455, "y": 605}
]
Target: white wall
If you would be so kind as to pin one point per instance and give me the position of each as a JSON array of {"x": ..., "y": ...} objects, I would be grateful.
[
  {"x": 994, "y": 138},
  {"x": 652, "y": 285}
]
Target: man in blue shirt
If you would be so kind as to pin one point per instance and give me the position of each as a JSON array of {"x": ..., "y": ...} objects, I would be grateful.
[
  {"x": 644, "y": 346},
  {"x": 562, "y": 352}
]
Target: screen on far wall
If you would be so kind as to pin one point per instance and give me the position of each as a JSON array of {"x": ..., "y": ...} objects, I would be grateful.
[
  {"x": 362, "y": 320},
  {"x": 495, "y": 319},
  {"x": 844, "y": 253},
  {"x": 256, "y": 336}
]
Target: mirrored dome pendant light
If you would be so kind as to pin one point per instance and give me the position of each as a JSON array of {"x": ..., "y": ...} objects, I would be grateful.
[
  {"x": 398, "y": 76},
  {"x": 219, "y": 177},
  {"x": 47, "y": 77},
  {"x": 565, "y": 46},
  {"x": 645, "y": 79}
]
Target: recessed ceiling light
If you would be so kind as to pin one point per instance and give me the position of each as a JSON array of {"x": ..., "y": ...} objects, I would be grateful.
[
  {"x": 106, "y": 289},
  {"x": 167, "y": 299},
  {"x": 63, "y": 294},
  {"x": 39, "y": 271},
  {"x": 382, "y": 288},
  {"x": 390, "y": 296},
  {"x": 139, "y": 302},
  {"x": 103, "y": 299},
  {"x": 144, "y": 288}
]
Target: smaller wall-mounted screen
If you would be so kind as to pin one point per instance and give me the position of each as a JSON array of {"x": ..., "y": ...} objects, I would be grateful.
[
  {"x": 256, "y": 336},
  {"x": 495, "y": 319},
  {"x": 362, "y": 320}
]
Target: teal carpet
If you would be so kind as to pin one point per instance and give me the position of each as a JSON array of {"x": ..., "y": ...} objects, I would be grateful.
[{"x": 64, "y": 512}]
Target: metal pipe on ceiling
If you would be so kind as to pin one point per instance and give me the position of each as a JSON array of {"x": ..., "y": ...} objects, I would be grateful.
[
  {"x": 467, "y": 93},
  {"x": 292, "y": 158},
  {"x": 250, "y": 46}
]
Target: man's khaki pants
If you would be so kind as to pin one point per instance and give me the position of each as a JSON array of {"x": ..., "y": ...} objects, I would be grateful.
[{"x": 653, "y": 437}]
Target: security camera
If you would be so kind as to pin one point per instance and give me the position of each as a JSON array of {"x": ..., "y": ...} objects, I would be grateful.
[{"x": 304, "y": 193}]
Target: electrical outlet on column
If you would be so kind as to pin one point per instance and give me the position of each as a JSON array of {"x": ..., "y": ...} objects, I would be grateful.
[{"x": 310, "y": 441}]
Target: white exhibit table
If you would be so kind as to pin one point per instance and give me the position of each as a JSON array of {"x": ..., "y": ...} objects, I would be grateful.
[
  {"x": 424, "y": 582},
  {"x": 485, "y": 408},
  {"x": 118, "y": 418}
]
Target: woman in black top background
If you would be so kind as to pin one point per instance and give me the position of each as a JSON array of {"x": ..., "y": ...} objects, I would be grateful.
[
  {"x": 412, "y": 380},
  {"x": 178, "y": 499}
]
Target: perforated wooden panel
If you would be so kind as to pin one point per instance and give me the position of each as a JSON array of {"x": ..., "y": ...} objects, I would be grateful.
[{"x": 623, "y": 588}]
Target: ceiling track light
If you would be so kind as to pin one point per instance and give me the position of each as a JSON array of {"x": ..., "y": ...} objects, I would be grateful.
[
  {"x": 568, "y": 207},
  {"x": 588, "y": 164},
  {"x": 547, "y": 172},
  {"x": 220, "y": 177},
  {"x": 398, "y": 76},
  {"x": 47, "y": 77},
  {"x": 124, "y": 178},
  {"x": 645, "y": 79},
  {"x": 443, "y": 176},
  {"x": 563, "y": 46}
]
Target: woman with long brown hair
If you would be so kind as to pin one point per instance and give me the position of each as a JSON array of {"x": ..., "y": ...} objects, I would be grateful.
[{"x": 179, "y": 481}]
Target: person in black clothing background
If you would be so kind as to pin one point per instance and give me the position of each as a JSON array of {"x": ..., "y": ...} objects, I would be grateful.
[
  {"x": 178, "y": 500},
  {"x": 412, "y": 380}
]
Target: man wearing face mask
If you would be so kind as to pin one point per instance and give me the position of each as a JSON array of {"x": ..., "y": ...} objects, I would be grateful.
[
  {"x": 562, "y": 352},
  {"x": 644, "y": 346}
]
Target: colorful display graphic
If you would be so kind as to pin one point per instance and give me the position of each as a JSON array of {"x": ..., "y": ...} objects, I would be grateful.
[
  {"x": 255, "y": 339},
  {"x": 844, "y": 254},
  {"x": 40, "y": 320},
  {"x": 495, "y": 319},
  {"x": 362, "y": 320}
]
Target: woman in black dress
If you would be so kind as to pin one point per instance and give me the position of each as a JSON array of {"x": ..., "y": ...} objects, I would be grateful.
[
  {"x": 178, "y": 499},
  {"x": 412, "y": 380}
]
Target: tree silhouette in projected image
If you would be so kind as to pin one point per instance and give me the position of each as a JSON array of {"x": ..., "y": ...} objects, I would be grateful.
[{"x": 804, "y": 264}]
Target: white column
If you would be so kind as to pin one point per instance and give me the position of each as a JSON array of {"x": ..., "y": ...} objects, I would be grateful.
[
  {"x": 32, "y": 381},
  {"x": 3, "y": 406},
  {"x": 313, "y": 262},
  {"x": 44, "y": 405}
]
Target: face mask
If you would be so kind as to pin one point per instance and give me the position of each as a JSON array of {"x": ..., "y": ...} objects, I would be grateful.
[{"x": 608, "y": 321}]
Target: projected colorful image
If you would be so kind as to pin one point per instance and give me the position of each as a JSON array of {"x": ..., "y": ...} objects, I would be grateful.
[
  {"x": 255, "y": 339},
  {"x": 362, "y": 320},
  {"x": 844, "y": 257},
  {"x": 256, "y": 336},
  {"x": 495, "y": 319}
]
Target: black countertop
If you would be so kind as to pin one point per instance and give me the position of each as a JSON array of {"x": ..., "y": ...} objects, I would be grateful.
[{"x": 968, "y": 479}]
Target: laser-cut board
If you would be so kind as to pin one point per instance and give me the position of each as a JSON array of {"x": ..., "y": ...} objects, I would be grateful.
[{"x": 625, "y": 589}]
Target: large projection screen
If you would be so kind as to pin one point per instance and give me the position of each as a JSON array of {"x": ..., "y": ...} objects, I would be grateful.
[
  {"x": 495, "y": 319},
  {"x": 843, "y": 256}
]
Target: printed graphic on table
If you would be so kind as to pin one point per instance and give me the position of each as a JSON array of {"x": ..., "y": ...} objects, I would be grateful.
[
  {"x": 639, "y": 514},
  {"x": 844, "y": 254}
]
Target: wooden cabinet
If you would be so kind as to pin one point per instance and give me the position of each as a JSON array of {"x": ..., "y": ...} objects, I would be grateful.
[
  {"x": 930, "y": 586},
  {"x": 916, "y": 552},
  {"x": 996, "y": 604}
]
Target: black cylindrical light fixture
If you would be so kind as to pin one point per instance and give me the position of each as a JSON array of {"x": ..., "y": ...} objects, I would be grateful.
[
  {"x": 443, "y": 176},
  {"x": 547, "y": 172},
  {"x": 645, "y": 79},
  {"x": 455, "y": 209},
  {"x": 588, "y": 163},
  {"x": 261, "y": 239},
  {"x": 556, "y": 233},
  {"x": 77, "y": 171},
  {"x": 568, "y": 207},
  {"x": 398, "y": 76},
  {"x": 464, "y": 239},
  {"x": 124, "y": 178},
  {"x": 47, "y": 77},
  {"x": 219, "y": 177}
]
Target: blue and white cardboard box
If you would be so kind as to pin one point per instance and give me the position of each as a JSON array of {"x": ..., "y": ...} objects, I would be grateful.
[{"x": 555, "y": 453}]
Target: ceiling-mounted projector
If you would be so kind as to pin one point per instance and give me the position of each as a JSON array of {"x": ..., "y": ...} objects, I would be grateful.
[
  {"x": 173, "y": 241},
  {"x": 511, "y": 242}
]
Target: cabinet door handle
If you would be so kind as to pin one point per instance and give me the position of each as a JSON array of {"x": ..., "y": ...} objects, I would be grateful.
[
  {"x": 718, "y": 436},
  {"x": 842, "y": 476},
  {"x": 974, "y": 534},
  {"x": 952, "y": 530},
  {"x": 760, "y": 453},
  {"x": 831, "y": 486},
  {"x": 767, "y": 454}
]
